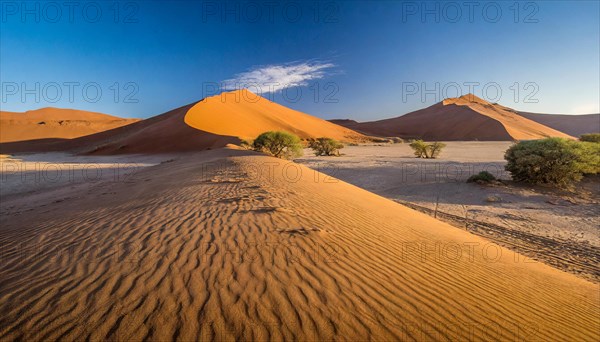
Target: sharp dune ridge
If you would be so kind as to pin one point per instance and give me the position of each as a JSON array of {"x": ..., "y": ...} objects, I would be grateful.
[
  {"x": 232, "y": 245},
  {"x": 463, "y": 118},
  {"x": 244, "y": 114},
  {"x": 210, "y": 123},
  {"x": 46, "y": 123}
]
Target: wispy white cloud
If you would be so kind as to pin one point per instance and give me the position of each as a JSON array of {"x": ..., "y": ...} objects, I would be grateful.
[{"x": 273, "y": 78}]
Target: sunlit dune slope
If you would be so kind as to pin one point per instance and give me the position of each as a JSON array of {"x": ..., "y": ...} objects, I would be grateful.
[
  {"x": 55, "y": 123},
  {"x": 464, "y": 118},
  {"x": 211, "y": 123},
  {"x": 244, "y": 114},
  {"x": 229, "y": 245}
]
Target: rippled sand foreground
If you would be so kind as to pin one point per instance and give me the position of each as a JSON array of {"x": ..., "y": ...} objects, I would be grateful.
[{"x": 229, "y": 245}]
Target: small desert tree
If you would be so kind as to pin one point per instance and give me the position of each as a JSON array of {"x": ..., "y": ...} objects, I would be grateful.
[
  {"x": 325, "y": 146},
  {"x": 278, "y": 144},
  {"x": 435, "y": 149},
  {"x": 420, "y": 148},
  {"x": 591, "y": 137},
  {"x": 555, "y": 161},
  {"x": 427, "y": 150}
]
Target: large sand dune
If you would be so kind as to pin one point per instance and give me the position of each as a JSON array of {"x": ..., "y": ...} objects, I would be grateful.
[
  {"x": 244, "y": 114},
  {"x": 160, "y": 134},
  {"x": 464, "y": 118},
  {"x": 221, "y": 245},
  {"x": 574, "y": 125},
  {"x": 213, "y": 122},
  {"x": 48, "y": 123}
]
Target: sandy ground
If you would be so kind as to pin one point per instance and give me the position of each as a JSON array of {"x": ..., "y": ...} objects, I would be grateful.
[
  {"x": 40, "y": 172},
  {"x": 558, "y": 228},
  {"x": 230, "y": 245}
]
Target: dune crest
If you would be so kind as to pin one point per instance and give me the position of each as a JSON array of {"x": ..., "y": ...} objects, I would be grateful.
[
  {"x": 517, "y": 126},
  {"x": 462, "y": 118},
  {"x": 244, "y": 114},
  {"x": 211, "y": 123}
]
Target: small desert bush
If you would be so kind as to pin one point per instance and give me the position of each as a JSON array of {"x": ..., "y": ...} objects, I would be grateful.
[
  {"x": 397, "y": 140},
  {"x": 591, "y": 137},
  {"x": 427, "y": 150},
  {"x": 554, "y": 161},
  {"x": 325, "y": 146},
  {"x": 247, "y": 144},
  {"x": 482, "y": 176},
  {"x": 278, "y": 144}
]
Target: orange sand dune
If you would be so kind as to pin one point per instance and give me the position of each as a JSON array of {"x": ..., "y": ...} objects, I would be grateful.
[
  {"x": 230, "y": 245},
  {"x": 465, "y": 118},
  {"x": 55, "y": 123},
  {"x": 165, "y": 133},
  {"x": 207, "y": 124},
  {"x": 244, "y": 114}
]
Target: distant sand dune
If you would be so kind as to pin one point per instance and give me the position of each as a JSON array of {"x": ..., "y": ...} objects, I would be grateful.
[
  {"x": 48, "y": 123},
  {"x": 574, "y": 125},
  {"x": 227, "y": 248},
  {"x": 465, "y": 118},
  {"x": 207, "y": 124}
]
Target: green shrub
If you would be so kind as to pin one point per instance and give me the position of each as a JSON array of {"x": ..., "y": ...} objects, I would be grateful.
[
  {"x": 325, "y": 146},
  {"x": 482, "y": 176},
  {"x": 591, "y": 137},
  {"x": 427, "y": 150},
  {"x": 420, "y": 148},
  {"x": 246, "y": 144},
  {"x": 555, "y": 161},
  {"x": 435, "y": 149},
  {"x": 590, "y": 152},
  {"x": 278, "y": 144}
]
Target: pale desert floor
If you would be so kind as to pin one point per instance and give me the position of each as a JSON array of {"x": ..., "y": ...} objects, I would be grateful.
[
  {"x": 46, "y": 172},
  {"x": 557, "y": 227},
  {"x": 231, "y": 245}
]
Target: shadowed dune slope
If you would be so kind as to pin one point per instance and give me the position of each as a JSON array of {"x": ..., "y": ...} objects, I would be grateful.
[
  {"x": 49, "y": 123},
  {"x": 246, "y": 115},
  {"x": 574, "y": 125},
  {"x": 165, "y": 133},
  {"x": 213, "y": 122},
  {"x": 238, "y": 251},
  {"x": 465, "y": 118}
]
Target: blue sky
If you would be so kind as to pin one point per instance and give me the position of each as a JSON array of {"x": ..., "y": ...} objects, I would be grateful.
[{"x": 363, "y": 60}]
